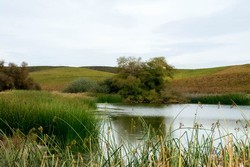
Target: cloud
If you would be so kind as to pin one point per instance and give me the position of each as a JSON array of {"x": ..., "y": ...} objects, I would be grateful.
[
  {"x": 96, "y": 32},
  {"x": 230, "y": 20}
]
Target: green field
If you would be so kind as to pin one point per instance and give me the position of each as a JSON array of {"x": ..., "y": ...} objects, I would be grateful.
[
  {"x": 58, "y": 78},
  {"x": 190, "y": 73}
]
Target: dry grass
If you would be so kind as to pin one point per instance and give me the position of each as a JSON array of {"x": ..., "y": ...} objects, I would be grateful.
[{"x": 228, "y": 80}]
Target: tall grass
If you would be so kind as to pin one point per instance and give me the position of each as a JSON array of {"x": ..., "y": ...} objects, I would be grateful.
[
  {"x": 66, "y": 119},
  {"x": 188, "y": 149},
  {"x": 194, "y": 146},
  {"x": 239, "y": 99}
]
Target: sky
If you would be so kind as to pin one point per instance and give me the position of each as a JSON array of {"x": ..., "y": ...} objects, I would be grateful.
[{"x": 188, "y": 33}]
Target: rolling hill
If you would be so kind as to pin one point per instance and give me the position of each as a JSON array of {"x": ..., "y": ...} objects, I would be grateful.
[
  {"x": 228, "y": 79},
  {"x": 208, "y": 80},
  {"x": 56, "y": 78}
]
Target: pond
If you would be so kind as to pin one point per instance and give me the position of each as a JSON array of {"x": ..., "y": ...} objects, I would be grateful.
[{"x": 128, "y": 122}]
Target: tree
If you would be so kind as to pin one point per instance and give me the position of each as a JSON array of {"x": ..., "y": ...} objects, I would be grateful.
[
  {"x": 139, "y": 81},
  {"x": 14, "y": 77},
  {"x": 155, "y": 73}
]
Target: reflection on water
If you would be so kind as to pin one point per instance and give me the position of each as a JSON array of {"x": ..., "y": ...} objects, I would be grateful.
[
  {"x": 129, "y": 122},
  {"x": 134, "y": 127}
]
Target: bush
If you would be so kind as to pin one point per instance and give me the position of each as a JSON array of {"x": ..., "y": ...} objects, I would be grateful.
[{"x": 84, "y": 85}]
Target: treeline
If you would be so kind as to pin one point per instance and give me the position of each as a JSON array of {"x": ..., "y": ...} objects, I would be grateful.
[{"x": 15, "y": 77}]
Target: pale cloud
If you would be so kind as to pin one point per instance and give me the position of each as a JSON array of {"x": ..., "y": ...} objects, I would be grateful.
[{"x": 96, "y": 32}]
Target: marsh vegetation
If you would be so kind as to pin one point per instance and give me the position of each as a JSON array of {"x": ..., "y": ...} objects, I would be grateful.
[
  {"x": 195, "y": 145},
  {"x": 62, "y": 118},
  {"x": 40, "y": 128}
]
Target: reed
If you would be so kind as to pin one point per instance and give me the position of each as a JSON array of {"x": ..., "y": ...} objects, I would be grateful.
[
  {"x": 239, "y": 99},
  {"x": 65, "y": 118},
  {"x": 184, "y": 146},
  {"x": 153, "y": 150}
]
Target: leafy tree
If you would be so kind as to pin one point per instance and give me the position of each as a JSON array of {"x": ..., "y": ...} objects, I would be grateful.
[
  {"x": 155, "y": 73},
  {"x": 139, "y": 81},
  {"x": 14, "y": 77}
]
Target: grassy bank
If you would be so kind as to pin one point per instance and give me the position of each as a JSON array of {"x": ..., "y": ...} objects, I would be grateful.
[
  {"x": 228, "y": 99},
  {"x": 66, "y": 118}
]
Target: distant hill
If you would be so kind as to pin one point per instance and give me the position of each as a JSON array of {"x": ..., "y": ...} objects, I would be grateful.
[
  {"x": 228, "y": 79},
  {"x": 208, "y": 80},
  {"x": 56, "y": 78},
  {"x": 102, "y": 68},
  {"x": 39, "y": 68}
]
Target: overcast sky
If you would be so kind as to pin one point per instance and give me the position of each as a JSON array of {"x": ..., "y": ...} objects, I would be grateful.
[{"x": 189, "y": 33}]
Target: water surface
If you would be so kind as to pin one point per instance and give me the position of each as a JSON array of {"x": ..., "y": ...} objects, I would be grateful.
[{"x": 129, "y": 121}]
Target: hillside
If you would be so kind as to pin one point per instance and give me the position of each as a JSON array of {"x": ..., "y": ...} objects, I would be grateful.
[
  {"x": 56, "y": 78},
  {"x": 213, "y": 80},
  {"x": 208, "y": 80}
]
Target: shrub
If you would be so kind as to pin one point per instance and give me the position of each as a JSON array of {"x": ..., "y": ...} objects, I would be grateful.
[{"x": 84, "y": 85}]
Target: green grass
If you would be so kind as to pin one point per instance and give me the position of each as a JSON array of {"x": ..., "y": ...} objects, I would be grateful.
[
  {"x": 190, "y": 73},
  {"x": 59, "y": 78},
  {"x": 228, "y": 99},
  {"x": 66, "y": 118}
]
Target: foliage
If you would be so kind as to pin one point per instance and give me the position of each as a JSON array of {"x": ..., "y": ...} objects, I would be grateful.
[
  {"x": 66, "y": 118},
  {"x": 85, "y": 85},
  {"x": 139, "y": 81},
  {"x": 14, "y": 77}
]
